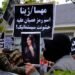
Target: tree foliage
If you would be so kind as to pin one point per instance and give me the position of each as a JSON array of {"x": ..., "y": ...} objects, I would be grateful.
[
  {"x": 29, "y": 1},
  {"x": 1, "y": 14},
  {"x": 2, "y": 28},
  {"x": 4, "y": 5}
]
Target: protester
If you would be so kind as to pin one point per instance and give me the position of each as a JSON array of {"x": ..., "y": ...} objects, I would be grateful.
[
  {"x": 67, "y": 62},
  {"x": 61, "y": 47},
  {"x": 6, "y": 68}
]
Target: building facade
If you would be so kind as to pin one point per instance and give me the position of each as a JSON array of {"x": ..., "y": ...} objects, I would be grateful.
[{"x": 65, "y": 19}]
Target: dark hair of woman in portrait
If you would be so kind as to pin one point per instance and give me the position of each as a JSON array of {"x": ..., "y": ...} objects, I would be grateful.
[{"x": 30, "y": 49}]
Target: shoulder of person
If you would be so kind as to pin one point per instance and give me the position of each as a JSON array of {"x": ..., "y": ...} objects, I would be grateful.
[
  {"x": 64, "y": 59},
  {"x": 61, "y": 63}
]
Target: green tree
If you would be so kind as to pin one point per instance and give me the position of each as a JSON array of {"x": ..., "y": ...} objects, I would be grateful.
[
  {"x": 1, "y": 11},
  {"x": 2, "y": 28},
  {"x": 1, "y": 14},
  {"x": 29, "y": 1},
  {"x": 4, "y": 5},
  {"x": 40, "y": 1}
]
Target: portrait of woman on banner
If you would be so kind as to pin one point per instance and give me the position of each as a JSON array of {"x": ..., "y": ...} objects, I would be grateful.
[{"x": 30, "y": 50}]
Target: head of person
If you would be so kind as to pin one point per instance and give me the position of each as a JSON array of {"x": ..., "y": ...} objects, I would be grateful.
[
  {"x": 30, "y": 40},
  {"x": 58, "y": 47},
  {"x": 73, "y": 47}
]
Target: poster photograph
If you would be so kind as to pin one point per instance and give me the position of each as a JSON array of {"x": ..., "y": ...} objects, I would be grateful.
[{"x": 31, "y": 47}]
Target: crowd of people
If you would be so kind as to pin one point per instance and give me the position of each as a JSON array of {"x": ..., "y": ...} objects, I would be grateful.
[{"x": 59, "y": 54}]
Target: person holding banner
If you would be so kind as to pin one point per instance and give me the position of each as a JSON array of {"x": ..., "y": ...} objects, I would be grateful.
[{"x": 62, "y": 45}]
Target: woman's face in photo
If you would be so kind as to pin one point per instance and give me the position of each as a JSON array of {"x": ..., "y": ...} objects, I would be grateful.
[{"x": 29, "y": 41}]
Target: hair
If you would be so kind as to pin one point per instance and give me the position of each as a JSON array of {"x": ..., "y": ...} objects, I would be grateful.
[
  {"x": 32, "y": 39},
  {"x": 58, "y": 47}
]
